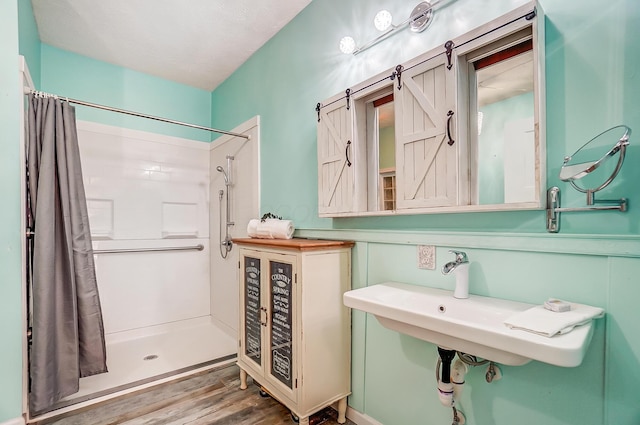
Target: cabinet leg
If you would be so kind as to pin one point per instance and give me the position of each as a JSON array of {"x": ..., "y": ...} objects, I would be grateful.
[
  {"x": 243, "y": 379},
  {"x": 303, "y": 421},
  {"x": 342, "y": 410}
]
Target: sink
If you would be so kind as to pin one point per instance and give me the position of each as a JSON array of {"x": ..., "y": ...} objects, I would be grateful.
[{"x": 474, "y": 325}]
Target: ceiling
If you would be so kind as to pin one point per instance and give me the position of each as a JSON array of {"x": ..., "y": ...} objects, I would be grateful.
[
  {"x": 195, "y": 42},
  {"x": 505, "y": 79}
]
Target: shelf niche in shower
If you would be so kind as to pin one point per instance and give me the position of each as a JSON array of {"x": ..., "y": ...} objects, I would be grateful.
[
  {"x": 179, "y": 220},
  {"x": 101, "y": 218}
]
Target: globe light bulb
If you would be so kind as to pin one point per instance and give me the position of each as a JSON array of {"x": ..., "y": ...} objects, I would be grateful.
[
  {"x": 383, "y": 19},
  {"x": 347, "y": 45}
]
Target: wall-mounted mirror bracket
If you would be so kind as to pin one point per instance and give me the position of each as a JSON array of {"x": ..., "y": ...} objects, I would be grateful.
[
  {"x": 554, "y": 209},
  {"x": 589, "y": 158}
]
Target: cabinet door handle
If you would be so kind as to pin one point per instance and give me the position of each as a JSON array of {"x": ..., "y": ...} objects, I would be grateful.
[
  {"x": 451, "y": 141},
  {"x": 346, "y": 153},
  {"x": 266, "y": 318}
]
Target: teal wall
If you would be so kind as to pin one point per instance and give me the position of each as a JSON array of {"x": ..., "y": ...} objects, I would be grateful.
[
  {"x": 592, "y": 83},
  {"x": 10, "y": 232},
  {"x": 591, "y": 77},
  {"x": 79, "y": 77},
  {"x": 29, "y": 39}
]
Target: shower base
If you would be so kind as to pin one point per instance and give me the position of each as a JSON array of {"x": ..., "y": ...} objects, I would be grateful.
[{"x": 146, "y": 357}]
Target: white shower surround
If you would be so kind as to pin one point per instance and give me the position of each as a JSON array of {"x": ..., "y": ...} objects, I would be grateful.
[
  {"x": 146, "y": 190},
  {"x": 137, "y": 174},
  {"x": 245, "y": 205}
]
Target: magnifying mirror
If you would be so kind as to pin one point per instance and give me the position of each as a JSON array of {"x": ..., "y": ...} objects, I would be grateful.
[{"x": 593, "y": 155}]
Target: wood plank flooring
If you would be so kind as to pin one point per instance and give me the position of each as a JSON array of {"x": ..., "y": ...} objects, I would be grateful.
[{"x": 213, "y": 397}]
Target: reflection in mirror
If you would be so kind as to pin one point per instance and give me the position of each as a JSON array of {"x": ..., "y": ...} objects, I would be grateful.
[
  {"x": 506, "y": 150},
  {"x": 381, "y": 150},
  {"x": 386, "y": 152}
]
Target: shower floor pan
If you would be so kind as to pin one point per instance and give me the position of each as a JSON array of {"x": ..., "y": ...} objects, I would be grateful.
[{"x": 137, "y": 361}]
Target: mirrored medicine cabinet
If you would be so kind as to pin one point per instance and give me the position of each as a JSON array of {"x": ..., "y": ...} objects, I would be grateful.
[{"x": 459, "y": 128}]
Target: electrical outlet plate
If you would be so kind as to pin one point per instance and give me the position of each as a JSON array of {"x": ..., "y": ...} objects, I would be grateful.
[{"x": 427, "y": 257}]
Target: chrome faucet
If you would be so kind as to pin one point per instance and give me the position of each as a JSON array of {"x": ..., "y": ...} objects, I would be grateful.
[{"x": 460, "y": 267}]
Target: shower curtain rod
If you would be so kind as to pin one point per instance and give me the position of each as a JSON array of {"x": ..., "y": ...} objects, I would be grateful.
[{"x": 135, "y": 114}]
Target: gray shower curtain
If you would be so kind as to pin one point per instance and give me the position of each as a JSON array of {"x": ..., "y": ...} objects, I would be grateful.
[{"x": 66, "y": 319}]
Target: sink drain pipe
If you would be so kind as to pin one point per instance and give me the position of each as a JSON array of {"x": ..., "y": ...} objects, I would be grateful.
[
  {"x": 452, "y": 381},
  {"x": 445, "y": 387}
]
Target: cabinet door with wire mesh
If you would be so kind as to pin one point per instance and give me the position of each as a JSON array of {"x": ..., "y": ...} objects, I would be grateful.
[
  {"x": 253, "y": 318},
  {"x": 281, "y": 366}
]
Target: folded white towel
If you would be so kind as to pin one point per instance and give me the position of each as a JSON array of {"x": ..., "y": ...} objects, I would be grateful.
[
  {"x": 548, "y": 323},
  {"x": 270, "y": 229}
]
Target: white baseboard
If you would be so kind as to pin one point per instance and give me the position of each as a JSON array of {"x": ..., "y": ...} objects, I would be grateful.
[
  {"x": 361, "y": 418},
  {"x": 15, "y": 421}
]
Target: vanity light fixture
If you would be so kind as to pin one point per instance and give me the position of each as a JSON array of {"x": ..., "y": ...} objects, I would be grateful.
[
  {"x": 418, "y": 21},
  {"x": 383, "y": 20},
  {"x": 347, "y": 45}
]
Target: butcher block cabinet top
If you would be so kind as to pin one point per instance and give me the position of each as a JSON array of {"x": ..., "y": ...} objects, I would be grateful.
[{"x": 297, "y": 244}]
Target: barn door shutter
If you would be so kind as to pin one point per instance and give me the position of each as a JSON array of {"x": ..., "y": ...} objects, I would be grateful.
[
  {"x": 336, "y": 161},
  {"x": 426, "y": 162}
]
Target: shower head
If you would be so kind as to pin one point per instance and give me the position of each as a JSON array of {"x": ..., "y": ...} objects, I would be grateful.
[{"x": 226, "y": 177}]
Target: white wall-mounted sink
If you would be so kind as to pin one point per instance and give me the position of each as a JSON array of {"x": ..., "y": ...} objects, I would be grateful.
[{"x": 474, "y": 325}]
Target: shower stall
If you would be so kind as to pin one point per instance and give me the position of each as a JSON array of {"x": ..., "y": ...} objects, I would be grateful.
[{"x": 167, "y": 295}]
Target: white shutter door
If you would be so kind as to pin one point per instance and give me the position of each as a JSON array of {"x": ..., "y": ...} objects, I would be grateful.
[
  {"x": 426, "y": 165},
  {"x": 335, "y": 160}
]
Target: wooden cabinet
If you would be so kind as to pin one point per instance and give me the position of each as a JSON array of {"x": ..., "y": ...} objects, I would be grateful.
[{"x": 295, "y": 332}]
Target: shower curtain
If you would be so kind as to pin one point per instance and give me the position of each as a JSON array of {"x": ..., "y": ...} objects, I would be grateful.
[{"x": 66, "y": 319}]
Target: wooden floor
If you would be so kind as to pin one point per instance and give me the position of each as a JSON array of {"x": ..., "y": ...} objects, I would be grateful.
[{"x": 208, "y": 398}]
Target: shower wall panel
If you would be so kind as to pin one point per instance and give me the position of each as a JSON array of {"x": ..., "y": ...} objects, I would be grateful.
[
  {"x": 147, "y": 191},
  {"x": 140, "y": 290},
  {"x": 245, "y": 205}
]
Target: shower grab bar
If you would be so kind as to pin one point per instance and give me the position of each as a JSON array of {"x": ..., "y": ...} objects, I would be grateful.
[{"x": 198, "y": 247}]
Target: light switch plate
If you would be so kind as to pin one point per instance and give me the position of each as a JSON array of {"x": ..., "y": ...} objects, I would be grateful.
[{"x": 427, "y": 257}]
